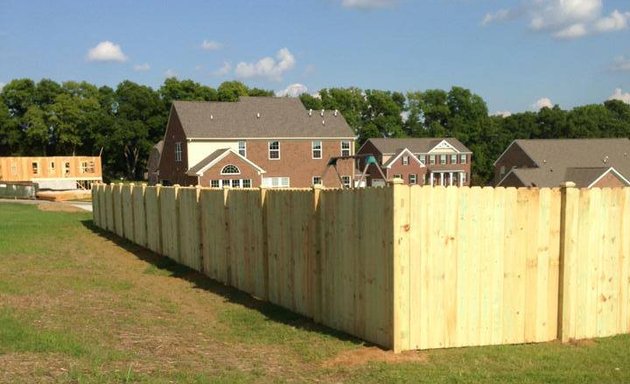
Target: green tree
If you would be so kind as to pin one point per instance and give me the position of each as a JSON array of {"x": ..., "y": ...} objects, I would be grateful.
[{"x": 232, "y": 90}]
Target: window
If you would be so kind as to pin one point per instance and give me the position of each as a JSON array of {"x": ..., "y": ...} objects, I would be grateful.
[
  {"x": 405, "y": 160},
  {"x": 51, "y": 167},
  {"x": 397, "y": 176},
  {"x": 413, "y": 179},
  {"x": 276, "y": 182},
  {"x": 463, "y": 176},
  {"x": 345, "y": 180},
  {"x": 274, "y": 150},
  {"x": 453, "y": 159},
  {"x": 462, "y": 159},
  {"x": 432, "y": 159},
  {"x": 230, "y": 169},
  {"x": 242, "y": 148},
  {"x": 233, "y": 183},
  {"x": 442, "y": 159},
  {"x": 87, "y": 167},
  {"x": 423, "y": 158},
  {"x": 317, "y": 180},
  {"x": 345, "y": 148},
  {"x": 66, "y": 168},
  {"x": 178, "y": 151},
  {"x": 317, "y": 149},
  {"x": 35, "y": 166}
]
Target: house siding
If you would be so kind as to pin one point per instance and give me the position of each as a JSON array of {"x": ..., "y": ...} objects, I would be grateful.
[
  {"x": 296, "y": 161},
  {"x": 171, "y": 171},
  {"x": 609, "y": 181},
  {"x": 214, "y": 173}
]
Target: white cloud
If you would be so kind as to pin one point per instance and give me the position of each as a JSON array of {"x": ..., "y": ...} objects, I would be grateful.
[
  {"x": 615, "y": 22},
  {"x": 170, "y": 73},
  {"x": 542, "y": 103},
  {"x": 502, "y": 113},
  {"x": 224, "y": 70},
  {"x": 620, "y": 95},
  {"x": 210, "y": 45},
  {"x": 267, "y": 67},
  {"x": 564, "y": 19},
  {"x": 621, "y": 64},
  {"x": 106, "y": 51},
  {"x": 293, "y": 90},
  {"x": 141, "y": 67},
  {"x": 367, "y": 4},
  {"x": 572, "y": 32},
  {"x": 500, "y": 15}
]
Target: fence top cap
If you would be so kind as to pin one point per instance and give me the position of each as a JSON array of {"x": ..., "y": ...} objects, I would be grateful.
[{"x": 568, "y": 184}]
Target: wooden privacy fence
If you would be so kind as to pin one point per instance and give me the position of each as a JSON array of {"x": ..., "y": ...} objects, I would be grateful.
[{"x": 403, "y": 267}]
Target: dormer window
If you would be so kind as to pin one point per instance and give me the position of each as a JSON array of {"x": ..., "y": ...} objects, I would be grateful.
[{"x": 405, "y": 160}]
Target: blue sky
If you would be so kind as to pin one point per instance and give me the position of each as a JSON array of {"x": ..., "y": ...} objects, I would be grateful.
[{"x": 516, "y": 54}]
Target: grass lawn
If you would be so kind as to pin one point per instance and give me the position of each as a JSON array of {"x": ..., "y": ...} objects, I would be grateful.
[{"x": 78, "y": 305}]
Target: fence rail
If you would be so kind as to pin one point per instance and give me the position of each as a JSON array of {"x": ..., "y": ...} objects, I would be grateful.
[{"x": 403, "y": 267}]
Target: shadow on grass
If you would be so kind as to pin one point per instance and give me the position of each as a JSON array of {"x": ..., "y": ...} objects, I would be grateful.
[{"x": 270, "y": 311}]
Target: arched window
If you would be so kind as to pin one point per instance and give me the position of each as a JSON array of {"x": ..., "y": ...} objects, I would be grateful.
[{"x": 230, "y": 169}]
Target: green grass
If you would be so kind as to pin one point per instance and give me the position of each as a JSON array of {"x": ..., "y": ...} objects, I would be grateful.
[{"x": 78, "y": 305}]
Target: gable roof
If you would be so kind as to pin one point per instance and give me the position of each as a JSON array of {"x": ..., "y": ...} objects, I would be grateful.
[
  {"x": 258, "y": 117},
  {"x": 210, "y": 160},
  {"x": 579, "y": 160},
  {"x": 415, "y": 145},
  {"x": 547, "y": 177},
  {"x": 397, "y": 156}
]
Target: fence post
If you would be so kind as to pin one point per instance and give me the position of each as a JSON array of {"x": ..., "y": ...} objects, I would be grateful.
[
  {"x": 400, "y": 266},
  {"x": 315, "y": 285},
  {"x": 568, "y": 257},
  {"x": 265, "y": 245},
  {"x": 228, "y": 248}
]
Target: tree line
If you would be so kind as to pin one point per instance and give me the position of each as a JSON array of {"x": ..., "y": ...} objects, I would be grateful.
[{"x": 122, "y": 124}]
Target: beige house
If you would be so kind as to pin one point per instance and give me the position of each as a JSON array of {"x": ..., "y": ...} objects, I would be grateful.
[{"x": 57, "y": 172}]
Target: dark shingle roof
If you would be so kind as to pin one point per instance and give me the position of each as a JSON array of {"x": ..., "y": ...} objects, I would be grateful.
[
  {"x": 415, "y": 145},
  {"x": 258, "y": 117},
  {"x": 579, "y": 160}
]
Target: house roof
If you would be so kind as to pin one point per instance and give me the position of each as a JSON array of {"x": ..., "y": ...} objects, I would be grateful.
[
  {"x": 397, "y": 156},
  {"x": 258, "y": 117},
  {"x": 415, "y": 145},
  {"x": 210, "y": 160},
  {"x": 579, "y": 160}
]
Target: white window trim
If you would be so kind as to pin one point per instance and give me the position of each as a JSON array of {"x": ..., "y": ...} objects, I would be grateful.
[
  {"x": 227, "y": 165},
  {"x": 35, "y": 167},
  {"x": 313, "y": 149},
  {"x": 454, "y": 156},
  {"x": 343, "y": 181},
  {"x": 178, "y": 151},
  {"x": 269, "y": 150},
  {"x": 463, "y": 158},
  {"x": 432, "y": 160},
  {"x": 415, "y": 179},
  {"x": 405, "y": 160},
  {"x": 349, "y": 147},
  {"x": 316, "y": 177},
  {"x": 442, "y": 157},
  {"x": 244, "y": 149}
]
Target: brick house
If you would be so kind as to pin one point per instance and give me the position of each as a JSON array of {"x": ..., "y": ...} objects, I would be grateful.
[
  {"x": 550, "y": 162},
  {"x": 268, "y": 141},
  {"x": 423, "y": 161}
]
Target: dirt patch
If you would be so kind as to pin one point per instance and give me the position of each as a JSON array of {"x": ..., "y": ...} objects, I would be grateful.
[
  {"x": 583, "y": 342},
  {"x": 362, "y": 356},
  {"x": 58, "y": 207}
]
